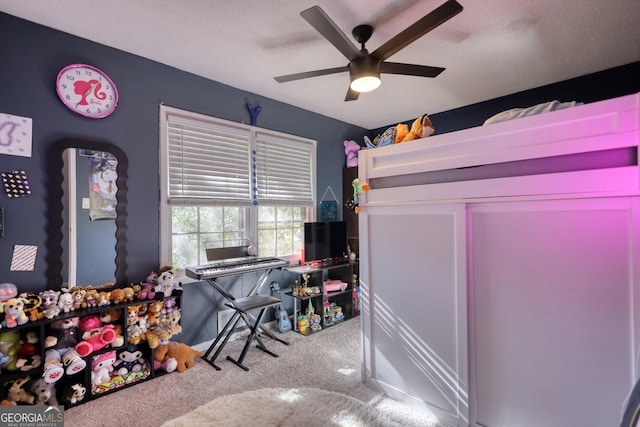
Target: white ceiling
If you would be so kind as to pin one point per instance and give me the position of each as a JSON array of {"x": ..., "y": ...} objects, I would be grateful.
[{"x": 492, "y": 48}]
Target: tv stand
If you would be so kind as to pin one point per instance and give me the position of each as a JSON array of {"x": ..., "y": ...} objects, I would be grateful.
[{"x": 331, "y": 306}]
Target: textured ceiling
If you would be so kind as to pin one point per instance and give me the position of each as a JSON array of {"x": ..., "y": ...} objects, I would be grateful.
[{"x": 492, "y": 48}]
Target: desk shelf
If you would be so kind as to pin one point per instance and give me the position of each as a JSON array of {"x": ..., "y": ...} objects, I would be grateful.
[{"x": 326, "y": 305}]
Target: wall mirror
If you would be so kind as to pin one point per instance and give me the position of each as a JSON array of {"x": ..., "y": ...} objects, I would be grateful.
[{"x": 86, "y": 211}]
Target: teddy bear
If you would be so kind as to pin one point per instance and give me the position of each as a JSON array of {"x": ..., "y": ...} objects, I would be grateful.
[
  {"x": 17, "y": 392},
  {"x": 14, "y": 314},
  {"x": 49, "y": 305},
  {"x": 44, "y": 392},
  {"x": 95, "y": 335},
  {"x": 351, "y": 149},
  {"x": 166, "y": 283},
  {"x": 79, "y": 300},
  {"x": 184, "y": 355},
  {"x": 129, "y": 360},
  {"x": 102, "y": 367},
  {"x": 91, "y": 297},
  {"x": 61, "y": 356}
]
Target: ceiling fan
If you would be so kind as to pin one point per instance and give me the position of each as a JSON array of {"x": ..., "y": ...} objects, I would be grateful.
[{"x": 364, "y": 67}]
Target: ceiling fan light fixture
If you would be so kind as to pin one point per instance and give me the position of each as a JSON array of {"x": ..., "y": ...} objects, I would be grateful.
[
  {"x": 365, "y": 83},
  {"x": 365, "y": 74}
]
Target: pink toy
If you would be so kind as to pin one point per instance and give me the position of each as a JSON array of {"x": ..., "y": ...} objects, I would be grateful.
[
  {"x": 102, "y": 366},
  {"x": 351, "y": 149},
  {"x": 8, "y": 291},
  {"x": 95, "y": 335},
  {"x": 332, "y": 285}
]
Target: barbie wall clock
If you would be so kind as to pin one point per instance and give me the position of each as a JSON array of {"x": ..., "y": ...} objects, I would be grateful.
[{"x": 87, "y": 91}]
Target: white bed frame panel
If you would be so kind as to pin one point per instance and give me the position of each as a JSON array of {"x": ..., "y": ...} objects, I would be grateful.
[{"x": 518, "y": 339}]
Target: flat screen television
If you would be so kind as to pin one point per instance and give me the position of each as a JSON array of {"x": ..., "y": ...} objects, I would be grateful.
[{"x": 325, "y": 241}]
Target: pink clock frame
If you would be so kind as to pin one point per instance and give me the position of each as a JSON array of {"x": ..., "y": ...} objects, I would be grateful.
[{"x": 87, "y": 90}]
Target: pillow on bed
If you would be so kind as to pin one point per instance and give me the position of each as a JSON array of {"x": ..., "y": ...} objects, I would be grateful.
[{"x": 516, "y": 113}]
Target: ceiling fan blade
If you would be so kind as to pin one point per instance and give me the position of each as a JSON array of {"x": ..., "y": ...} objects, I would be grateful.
[
  {"x": 330, "y": 31},
  {"x": 418, "y": 29},
  {"x": 306, "y": 75},
  {"x": 352, "y": 95},
  {"x": 410, "y": 69}
]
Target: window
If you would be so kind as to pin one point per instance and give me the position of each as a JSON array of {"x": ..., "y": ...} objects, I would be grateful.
[{"x": 228, "y": 184}]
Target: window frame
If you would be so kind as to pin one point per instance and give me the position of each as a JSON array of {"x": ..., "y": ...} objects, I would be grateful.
[{"x": 166, "y": 235}]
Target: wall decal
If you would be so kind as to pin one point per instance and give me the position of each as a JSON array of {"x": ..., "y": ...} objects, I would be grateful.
[
  {"x": 16, "y": 184},
  {"x": 24, "y": 258},
  {"x": 15, "y": 135}
]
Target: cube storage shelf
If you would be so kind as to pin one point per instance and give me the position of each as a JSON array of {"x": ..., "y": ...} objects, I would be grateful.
[
  {"x": 329, "y": 308},
  {"x": 24, "y": 348}
]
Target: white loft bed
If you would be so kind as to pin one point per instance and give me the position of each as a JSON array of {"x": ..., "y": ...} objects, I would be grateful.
[
  {"x": 500, "y": 268},
  {"x": 572, "y": 150}
]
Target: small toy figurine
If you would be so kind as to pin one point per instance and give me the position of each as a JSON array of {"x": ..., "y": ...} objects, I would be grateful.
[
  {"x": 352, "y": 204},
  {"x": 302, "y": 323}
]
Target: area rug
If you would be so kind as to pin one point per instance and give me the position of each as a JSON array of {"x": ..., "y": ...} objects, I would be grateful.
[{"x": 283, "y": 407}]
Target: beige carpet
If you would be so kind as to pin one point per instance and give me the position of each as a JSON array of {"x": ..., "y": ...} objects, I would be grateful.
[
  {"x": 283, "y": 407},
  {"x": 329, "y": 360}
]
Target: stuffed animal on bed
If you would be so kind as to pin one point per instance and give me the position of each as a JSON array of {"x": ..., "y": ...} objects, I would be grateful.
[{"x": 420, "y": 128}]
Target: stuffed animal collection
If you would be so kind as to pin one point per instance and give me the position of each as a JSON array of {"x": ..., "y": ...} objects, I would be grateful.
[{"x": 75, "y": 340}]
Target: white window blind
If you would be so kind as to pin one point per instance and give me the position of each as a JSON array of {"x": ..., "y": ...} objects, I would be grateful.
[
  {"x": 208, "y": 163},
  {"x": 212, "y": 161},
  {"x": 284, "y": 171}
]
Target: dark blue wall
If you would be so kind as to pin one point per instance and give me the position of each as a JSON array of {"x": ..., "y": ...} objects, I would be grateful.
[
  {"x": 32, "y": 56},
  {"x": 594, "y": 87}
]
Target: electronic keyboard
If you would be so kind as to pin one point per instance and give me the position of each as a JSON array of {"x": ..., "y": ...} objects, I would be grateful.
[{"x": 234, "y": 266}]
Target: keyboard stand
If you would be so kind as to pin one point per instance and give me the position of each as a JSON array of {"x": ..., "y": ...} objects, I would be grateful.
[{"x": 243, "y": 307}]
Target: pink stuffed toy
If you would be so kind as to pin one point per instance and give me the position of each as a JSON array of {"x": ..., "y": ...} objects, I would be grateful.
[
  {"x": 351, "y": 149},
  {"x": 95, "y": 335}
]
